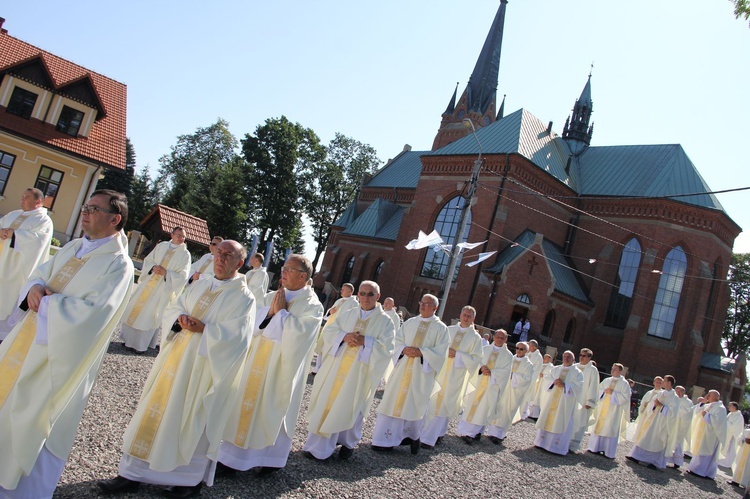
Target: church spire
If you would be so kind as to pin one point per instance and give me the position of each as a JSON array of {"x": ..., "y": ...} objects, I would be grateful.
[
  {"x": 452, "y": 104},
  {"x": 577, "y": 132},
  {"x": 501, "y": 111},
  {"x": 479, "y": 100}
]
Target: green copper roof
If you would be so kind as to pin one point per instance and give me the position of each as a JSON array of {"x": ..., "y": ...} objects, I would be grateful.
[
  {"x": 403, "y": 171},
  {"x": 717, "y": 362},
  {"x": 380, "y": 220},
  {"x": 349, "y": 216},
  {"x": 567, "y": 280}
]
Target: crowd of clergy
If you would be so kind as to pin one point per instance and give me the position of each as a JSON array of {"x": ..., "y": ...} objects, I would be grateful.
[{"x": 225, "y": 391}]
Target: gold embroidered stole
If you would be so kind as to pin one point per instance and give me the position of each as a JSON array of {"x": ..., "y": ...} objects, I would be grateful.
[
  {"x": 648, "y": 420},
  {"x": 742, "y": 462},
  {"x": 157, "y": 402},
  {"x": 350, "y": 354},
  {"x": 403, "y": 389},
  {"x": 457, "y": 339},
  {"x": 11, "y": 364},
  {"x": 604, "y": 408},
  {"x": 482, "y": 388},
  {"x": 149, "y": 287},
  {"x": 15, "y": 225},
  {"x": 205, "y": 265},
  {"x": 695, "y": 443},
  {"x": 555, "y": 403}
]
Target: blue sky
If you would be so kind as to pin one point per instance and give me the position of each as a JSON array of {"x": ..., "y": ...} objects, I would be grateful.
[{"x": 665, "y": 71}]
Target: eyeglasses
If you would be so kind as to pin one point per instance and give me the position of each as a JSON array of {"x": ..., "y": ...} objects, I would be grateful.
[
  {"x": 368, "y": 294},
  {"x": 426, "y": 304},
  {"x": 521, "y": 349},
  {"x": 289, "y": 269},
  {"x": 585, "y": 355},
  {"x": 212, "y": 244},
  {"x": 89, "y": 208}
]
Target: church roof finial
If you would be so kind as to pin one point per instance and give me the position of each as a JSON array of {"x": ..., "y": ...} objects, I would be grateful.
[
  {"x": 452, "y": 104},
  {"x": 483, "y": 81}
]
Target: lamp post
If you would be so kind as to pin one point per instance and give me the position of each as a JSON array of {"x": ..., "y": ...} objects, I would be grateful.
[{"x": 463, "y": 221}]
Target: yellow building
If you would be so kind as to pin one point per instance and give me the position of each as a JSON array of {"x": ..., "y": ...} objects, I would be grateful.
[{"x": 61, "y": 125}]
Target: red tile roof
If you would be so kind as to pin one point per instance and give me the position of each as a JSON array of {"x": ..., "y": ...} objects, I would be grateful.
[
  {"x": 106, "y": 140},
  {"x": 196, "y": 229}
]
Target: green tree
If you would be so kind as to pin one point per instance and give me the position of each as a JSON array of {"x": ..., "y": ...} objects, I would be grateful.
[
  {"x": 737, "y": 328},
  {"x": 281, "y": 156},
  {"x": 144, "y": 195},
  {"x": 334, "y": 185},
  {"x": 741, "y": 8},
  {"x": 120, "y": 180}
]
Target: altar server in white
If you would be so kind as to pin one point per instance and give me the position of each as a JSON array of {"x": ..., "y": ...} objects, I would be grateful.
[
  {"x": 707, "y": 433},
  {"x": 611, "y": 414}
]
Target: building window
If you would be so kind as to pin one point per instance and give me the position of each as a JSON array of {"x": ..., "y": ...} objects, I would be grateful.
[
  {"x": 48, "y": 182},
  {"x": 446, "y": 224},
  {"x": 622, "y": 296},
  {"x": 70, "y": 121},
  {"x": 668, "y": 295},
  {"x": 549, "y": 324},
  {"x": 6, "y": 165},
  {"x": 524, "y": 298},
  {"x": 348, "y": 271},
  {"x": 22, "y": 102},
  {"x": 570, "y": 331},
  {"x": 378, "y": 271}
]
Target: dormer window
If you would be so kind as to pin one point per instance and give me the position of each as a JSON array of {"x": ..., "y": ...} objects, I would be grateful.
[
  {"x": 22, "y": 102},
  {"x": 70, "y": 121}
]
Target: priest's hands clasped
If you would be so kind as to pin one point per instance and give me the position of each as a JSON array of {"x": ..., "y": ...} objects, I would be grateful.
[
  {"x": 36, "y": 293},
  {"x": 190, "y": 323}
]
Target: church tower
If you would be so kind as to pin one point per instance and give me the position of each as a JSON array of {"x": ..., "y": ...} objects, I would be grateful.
[
  {"x": 577, "y": 132},
  {"x": 479, "y": 99}
]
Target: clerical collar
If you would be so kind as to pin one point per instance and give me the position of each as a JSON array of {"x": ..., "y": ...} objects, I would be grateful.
[
  {"x": 430, "y": 318},
  {"x": 173, "y": 245},
  {"x": 217, "y": 283},
  {"x": 495, "y": 347},
  {"x": 460, "y": 328},
  {"x": 88, "y": 245},
  {"x": 41, "y": 209},
  {"x": 364, "y": 314},
  {"x": 291, "y": 295},
  {"x": 518, "y": 358}
]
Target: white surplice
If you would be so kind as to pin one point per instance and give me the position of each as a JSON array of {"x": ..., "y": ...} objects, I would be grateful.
[
  {"x": 521, "y": 373},
  {"x": 655, "y": 435},
  {"x": 558, "y": 406},
  {"x": 257, "y": 281},
  {"x": 589, "y": 397},
  {"x": 610, "y": 416},
  {"x": 707, "y": 433}
]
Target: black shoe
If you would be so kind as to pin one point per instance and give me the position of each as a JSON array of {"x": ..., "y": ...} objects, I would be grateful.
[
  {"x": 406, "y": 441},
  {"x": 118, "y": 485},
  {"x": 182, "y": 491},
  {"x": 676, "y": 467},
  {"x": 495, "y": 440},
  {"x": 651, "y": 466},
  {"x": 631, "y": 458},
  {"x": 378, "y": 448},
  {"x": 439, "y": 441},
  {"x": 266, "y": 471},
  {"x": 345, "y": 453},
  {"x": 468, "y": 439},
  {"x": 224, "y": 470},
  {"x": 477, "y": 437},
  {"x": 427, "y": 446},
  {"x": 733, "y": 483},
  {"x": 415, "y": 446}
]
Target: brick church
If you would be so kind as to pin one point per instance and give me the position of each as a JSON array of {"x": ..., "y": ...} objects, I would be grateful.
[{"x": 622, "y": 249}]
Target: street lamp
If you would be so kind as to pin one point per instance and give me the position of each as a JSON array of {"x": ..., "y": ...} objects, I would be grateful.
[{"x": 469, "y": 199}]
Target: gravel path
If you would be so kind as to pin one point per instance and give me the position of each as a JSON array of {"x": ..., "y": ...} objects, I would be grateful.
[{"x": 453, "y": 469}]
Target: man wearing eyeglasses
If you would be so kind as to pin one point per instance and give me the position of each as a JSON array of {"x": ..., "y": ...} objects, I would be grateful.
[
  {"x": 486, "y": 388},
  {"x": 563, "y": 392},
  {"x": 163, "y": 275},
  {"x": 67, "y": 311},
  {"x": 25, "y": 236},
  {"x": 264, "y": 409},
  {"x": 421, "y": 349},
  {"x": 589, "y": 396},
  {"x": 174, "y": 435},
  {"x": 357, "y": 348},
  {"x": 204, "y": 266},
  {"x": 464, "y": 358},
  {"x": 521, "y": 373}
]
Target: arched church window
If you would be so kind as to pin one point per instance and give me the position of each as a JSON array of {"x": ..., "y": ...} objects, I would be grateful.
[
  {"x": 524, "y": 298},
  {"x": 570, "y": 331},
  {"x": 622, "y": 295},
  {"x": 435, "y": 263},
  {"x": 348, "y": 271},
  {"x": 549, "y": 324},
  {"x": 668, "y": 295},
  {"x": 378, "y": 270}
]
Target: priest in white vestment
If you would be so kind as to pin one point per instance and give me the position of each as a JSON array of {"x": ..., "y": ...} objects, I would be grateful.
[
  {"x": 707, "y": 432},
  {"x": 486, "y": 388},
  {"x": 347, "y": 302},
  {"x": 537, "y": 360},
  {"x": 611, "y": 414},
  {"x": 735, "y": 425},
  {"x": 174, "y": 436},
  {"x": 163, "y": 276},
  {"x": 656, "y": 430},
  {"x": 203, "y": 268},
  {"x": 521, "y": 373},
  {"x": 389, "y": 307},
  {"x": 421, "y": 350},
  {"x": 51, "y": 358},
  {"x": 589, "y": 396},
  {"x": 561, "y": 397},
  {"x": 257, "y": 277},
  {"x": 684, "y": 420},
  {"x": 537, "y": 386},
  {"x": 648, "y": 396},
  {"x": 741, "y": 465},
  {"x": 357, "y": 349},
  {"x": 265, "y": 407},
  {"x": 25, "y": 237},
  {"x": 464, "y": 358}
]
